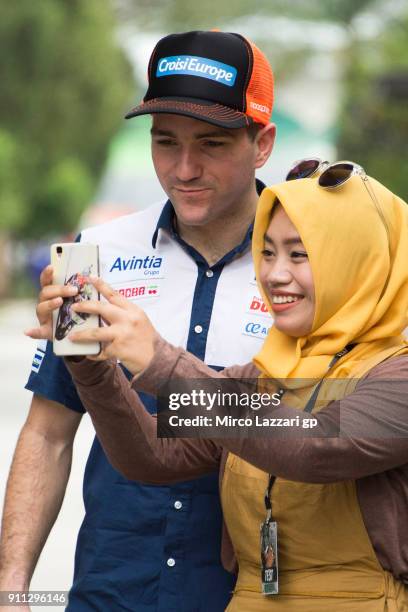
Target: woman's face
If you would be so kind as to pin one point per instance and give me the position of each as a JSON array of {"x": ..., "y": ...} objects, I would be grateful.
[{"x": 286, "y": 276}]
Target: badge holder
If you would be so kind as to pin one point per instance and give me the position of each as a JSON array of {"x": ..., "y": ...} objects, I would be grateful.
[
  {"x": 269, "y": 547},
  {"x": 269, "y": 528}
]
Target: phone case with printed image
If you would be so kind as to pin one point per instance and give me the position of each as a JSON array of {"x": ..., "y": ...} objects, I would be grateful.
[{"x": 72, "y": 263}]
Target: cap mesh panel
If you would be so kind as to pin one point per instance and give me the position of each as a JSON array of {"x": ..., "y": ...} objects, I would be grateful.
[{"x": 260, "y": 88}]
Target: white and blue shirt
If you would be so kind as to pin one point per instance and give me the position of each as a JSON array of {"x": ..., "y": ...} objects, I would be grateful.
[{"x": 157, "y": 548}]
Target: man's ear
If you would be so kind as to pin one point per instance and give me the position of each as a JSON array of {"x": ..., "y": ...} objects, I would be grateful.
[{"x": 264, "y": 141}]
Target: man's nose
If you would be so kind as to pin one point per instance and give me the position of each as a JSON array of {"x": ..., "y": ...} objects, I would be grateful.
[{"x": 188, "y": 166}]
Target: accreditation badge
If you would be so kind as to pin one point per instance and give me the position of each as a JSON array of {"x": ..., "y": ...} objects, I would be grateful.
[{"x": 269, "y": 557}]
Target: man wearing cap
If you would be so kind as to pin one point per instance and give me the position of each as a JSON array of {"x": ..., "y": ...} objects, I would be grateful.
[{"x": 144, "y": 548}]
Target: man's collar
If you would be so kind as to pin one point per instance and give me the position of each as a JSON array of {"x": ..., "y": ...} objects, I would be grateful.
[
  {"x": 165, "y": 221},
  {"x": 260, "y": 186},
  {"x": 167, "y": 215}
]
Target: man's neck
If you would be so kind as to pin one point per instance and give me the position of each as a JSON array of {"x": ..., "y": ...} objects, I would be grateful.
[{"x": 216, "y": 239}]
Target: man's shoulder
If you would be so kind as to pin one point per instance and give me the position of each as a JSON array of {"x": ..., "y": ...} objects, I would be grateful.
[{"x": 138, "y": 223}]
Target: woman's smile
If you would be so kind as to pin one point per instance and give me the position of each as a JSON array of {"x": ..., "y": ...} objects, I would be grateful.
[{"x": 286, "y": 276}]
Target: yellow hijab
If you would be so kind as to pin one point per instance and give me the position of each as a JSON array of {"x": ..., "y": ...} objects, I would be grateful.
[{"x": 360, "y": 272}]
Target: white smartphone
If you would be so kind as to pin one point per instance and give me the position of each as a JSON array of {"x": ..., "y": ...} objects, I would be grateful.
[{"x": 72, "y": 263}]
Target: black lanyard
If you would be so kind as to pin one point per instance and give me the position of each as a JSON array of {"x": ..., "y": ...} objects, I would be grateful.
[{"x": 308, "y": 408}]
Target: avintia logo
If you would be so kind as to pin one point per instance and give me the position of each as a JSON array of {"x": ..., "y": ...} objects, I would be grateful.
[
  {"x": 134, "y": 263},
  {"x": 197, "y": 66}
]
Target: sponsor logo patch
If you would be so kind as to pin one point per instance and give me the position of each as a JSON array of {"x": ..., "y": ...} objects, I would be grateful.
[
  {"x": 260, "y": 107},
  {"x": 197, "y": 66},
  {"x": 138, "y": 290},
  {"x": 146, "y": 266},
  {"x": 39, "y": 356},
  {"x": 257, "y": 306},
  {"x": 256, "y": 329}
]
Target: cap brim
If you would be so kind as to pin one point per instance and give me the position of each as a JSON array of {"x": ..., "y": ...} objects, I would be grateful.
[{"x": 216, "y": 114}]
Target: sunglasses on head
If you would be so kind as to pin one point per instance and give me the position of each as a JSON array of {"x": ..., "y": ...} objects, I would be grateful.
[{"x": 332, "y": 176}]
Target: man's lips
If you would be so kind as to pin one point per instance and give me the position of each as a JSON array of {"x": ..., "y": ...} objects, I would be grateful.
[{"x": 191, "y": 190}]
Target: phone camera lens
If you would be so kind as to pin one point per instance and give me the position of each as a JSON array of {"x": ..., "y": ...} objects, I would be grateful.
[{"x": 59, "y": 250}]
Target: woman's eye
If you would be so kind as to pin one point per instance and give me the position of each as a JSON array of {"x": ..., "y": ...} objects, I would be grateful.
[
  {"x": 299, "y": 254},
  {"x": 267, "y": 253}
]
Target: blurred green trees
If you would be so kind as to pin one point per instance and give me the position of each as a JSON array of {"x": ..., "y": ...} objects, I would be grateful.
[
  {"x": 179, "y": 15},
  {"x": 373, "y": 127},
  {"x": 373, "y": 123},
  {"x": 65, "y": 85}
]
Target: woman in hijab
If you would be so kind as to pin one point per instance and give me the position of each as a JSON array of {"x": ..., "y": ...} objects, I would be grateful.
[{"x": 333, "y": 270}]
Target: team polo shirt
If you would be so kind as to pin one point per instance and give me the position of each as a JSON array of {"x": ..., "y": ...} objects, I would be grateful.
[{"x": 151, "y": 548}]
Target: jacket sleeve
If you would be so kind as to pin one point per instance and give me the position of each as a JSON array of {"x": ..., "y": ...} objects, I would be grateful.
[
  {"x": 362, "y": 434},
  {"x": 127, "y": 431}
]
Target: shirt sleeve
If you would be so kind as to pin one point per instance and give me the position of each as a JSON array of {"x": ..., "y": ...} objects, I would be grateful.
[{"x": 50, "y": 378}]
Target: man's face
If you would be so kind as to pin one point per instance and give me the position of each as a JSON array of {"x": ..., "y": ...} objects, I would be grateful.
[{"x": 206, "y": 171}]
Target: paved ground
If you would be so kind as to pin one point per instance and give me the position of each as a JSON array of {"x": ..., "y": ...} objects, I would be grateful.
[{"x": 55, "y": 567}]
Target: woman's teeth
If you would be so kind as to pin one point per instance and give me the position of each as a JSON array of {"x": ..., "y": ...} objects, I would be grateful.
[{"x": 284, "y": 299}]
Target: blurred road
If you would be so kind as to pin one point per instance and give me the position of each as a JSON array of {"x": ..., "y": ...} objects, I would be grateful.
[{"x": 55, "y": 568}]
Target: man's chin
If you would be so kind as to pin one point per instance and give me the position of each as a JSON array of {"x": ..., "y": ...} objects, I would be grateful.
[
  {"x": 194, "y": 214},
  {"x": 193, "y": 197},
  {"x": 193, "y": 220}
]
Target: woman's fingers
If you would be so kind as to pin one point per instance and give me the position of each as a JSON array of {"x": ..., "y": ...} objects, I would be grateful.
[
  {"x": 112, "y": 296},
  {"x": 39, "y": 333},
  {"x": 46, "y": 276},
  {"x": 44, "y": 312},
  {"x": 106, "y": 290},
  {"x": 49, "y": 299},
  {"x": 116, "y": 309},
  {"x": 106, "y": 310},
  {"x": 45, "y": 309},
  {"x": 98, "y": 334},
  {"x": 52, "y": 291}
]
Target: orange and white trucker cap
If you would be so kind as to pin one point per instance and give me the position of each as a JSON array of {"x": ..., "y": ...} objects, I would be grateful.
[{"x": 218, "y": 77}]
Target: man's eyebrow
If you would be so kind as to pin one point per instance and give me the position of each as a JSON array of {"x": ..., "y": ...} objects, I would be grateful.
[
  {"x": 156, "y": 132},
  {"x": 213, "y": 134},
  {"x": 287, "y": 242}
]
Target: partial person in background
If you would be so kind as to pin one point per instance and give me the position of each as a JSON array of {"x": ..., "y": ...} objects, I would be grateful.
[
  {"x": 331, "y": 258},
  {"x": 156, "y": 548}
]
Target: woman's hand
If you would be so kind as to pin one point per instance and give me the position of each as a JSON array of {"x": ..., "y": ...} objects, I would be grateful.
[
  {"x": 128, "y": 334},
  {"x": 49, "y": 299}
]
